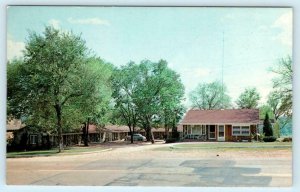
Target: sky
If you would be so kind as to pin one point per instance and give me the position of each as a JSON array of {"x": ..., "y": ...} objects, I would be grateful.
[{"x": 195, "y": 41}]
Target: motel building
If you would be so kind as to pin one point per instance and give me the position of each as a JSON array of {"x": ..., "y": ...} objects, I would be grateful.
[{"x": 220, "y": 125}]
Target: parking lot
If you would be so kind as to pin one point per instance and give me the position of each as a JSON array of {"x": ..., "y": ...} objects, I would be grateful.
[{"x": 158, "y": 165}]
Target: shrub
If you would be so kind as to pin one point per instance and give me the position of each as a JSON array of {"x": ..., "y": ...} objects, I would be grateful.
[
  {"x": 171, "y": 140},
  {"x": 258, "y": 136},
  {"x": 287, "y": 139},
  {"x": 268, "y": 131},
  {"x": 269, "y": 139}
]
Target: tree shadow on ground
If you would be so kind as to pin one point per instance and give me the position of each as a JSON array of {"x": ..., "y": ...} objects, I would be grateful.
[{"x": 223, "y": 173}]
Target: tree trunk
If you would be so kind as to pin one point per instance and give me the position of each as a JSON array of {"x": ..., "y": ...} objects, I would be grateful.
[
  {"x": 131, "y": 134},
  {"x": 86, "y": 138},
  {"x": 59, "y": 127},
  {"x": 166, "y": 136},
  {"x": 152, "y": 137},
  {"x": 166, "y": 128},
  {"x": 149, "y": 134},
  {"x": 174, "y": 130}
]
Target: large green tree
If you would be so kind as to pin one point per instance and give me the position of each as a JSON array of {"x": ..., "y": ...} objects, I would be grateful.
[
  {"x": 160, "y": 89},
  {"x": 275, "y": 103},
  {"x": 148, "y": 94},
  {"x": 248, "y": 99},
  {"x": 210, "y": 96},
  {"x": 57, "y": 85},
  {"x": 125, "y": 82},
  {"x": 281, "y": 98}
]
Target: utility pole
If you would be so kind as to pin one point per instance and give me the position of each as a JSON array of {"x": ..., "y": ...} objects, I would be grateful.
[{"x": 223, "y": 72}]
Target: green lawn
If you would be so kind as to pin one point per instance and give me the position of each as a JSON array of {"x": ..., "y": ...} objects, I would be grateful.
[
  {"x": 67, "y": 151},
  {"x": 227, "y": 146}
]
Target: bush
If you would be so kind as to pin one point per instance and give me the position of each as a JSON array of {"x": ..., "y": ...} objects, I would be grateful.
[
  {"x": 287, "y": 139},
  {"x": 258, "y": 136},
  {"x": 171, "y": 140},
  {"x": 268, "y": 131},
  {"x": 269, "y": 139}
]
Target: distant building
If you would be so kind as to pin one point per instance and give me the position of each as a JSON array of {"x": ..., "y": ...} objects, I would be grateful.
[{"x": 22, "y": 137}]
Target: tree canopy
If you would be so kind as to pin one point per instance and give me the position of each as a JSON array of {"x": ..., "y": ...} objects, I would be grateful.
[
  {"x": 281, "y": 98},
  {"x": 124, "y": 84},
  {"x": 210, "y": 96},
  {"x": 248, "y": 99},
  {"x": 147, "y": 94},
  {"x": 58, "y": 84}
]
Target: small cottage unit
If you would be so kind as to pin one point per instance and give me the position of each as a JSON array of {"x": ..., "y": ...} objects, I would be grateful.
[{"x": 220, "y": 125}]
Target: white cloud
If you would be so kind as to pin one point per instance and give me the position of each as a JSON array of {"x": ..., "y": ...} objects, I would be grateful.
[
  {"x": 14, "y": 48},
  {"x": 55, "y": 23},
  {"x": 285, "y": 23},
  {"x": 88, "y": 21}
]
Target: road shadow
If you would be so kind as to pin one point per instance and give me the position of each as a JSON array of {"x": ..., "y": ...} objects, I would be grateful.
[{"x": 223, "y": 173}]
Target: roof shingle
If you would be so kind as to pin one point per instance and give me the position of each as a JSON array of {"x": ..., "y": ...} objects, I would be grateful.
[{"x": 197, "y": 116}]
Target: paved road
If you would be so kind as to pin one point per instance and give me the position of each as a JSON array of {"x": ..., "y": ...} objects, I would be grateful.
[{"x": 144, "y": 166}]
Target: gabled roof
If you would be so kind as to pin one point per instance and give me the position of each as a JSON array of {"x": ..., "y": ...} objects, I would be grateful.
[
  {"x": 124, "y": 128},
  {"x": 14, "y": 124},
  {"x": 110, "y": 128},
  {"x": 219, "y": 116}
]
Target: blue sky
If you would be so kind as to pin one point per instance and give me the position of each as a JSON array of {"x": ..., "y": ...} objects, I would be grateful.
[{"x": 190, "y": 39}]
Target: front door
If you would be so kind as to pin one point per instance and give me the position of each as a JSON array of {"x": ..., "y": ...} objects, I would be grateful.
[
  {"x": 212, "y": 132},
  {"x": 221, "y": 133}
]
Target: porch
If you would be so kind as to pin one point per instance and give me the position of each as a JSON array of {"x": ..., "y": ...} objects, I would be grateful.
[{"x": 219, "y": 132}]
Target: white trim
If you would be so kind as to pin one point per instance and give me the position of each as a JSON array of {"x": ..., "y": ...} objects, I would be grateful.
[{"x": 33, "y": 139}]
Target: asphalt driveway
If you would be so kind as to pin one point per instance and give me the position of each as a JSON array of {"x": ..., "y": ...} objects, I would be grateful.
[{"x": 146, "y": 166}]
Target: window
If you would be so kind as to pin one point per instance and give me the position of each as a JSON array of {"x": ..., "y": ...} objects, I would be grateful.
[
  {"x": 189, "y": 129},
  {"x": 115, "y": 136},
  {"x": 245, "y": 130},
  {"x": 240, "y": 130},
  {"x": 196, "y": 129},
  {"x": 33, "y": 139},
  {"x": 221, "y": 130},
  {"x": 236, "y": 130}
]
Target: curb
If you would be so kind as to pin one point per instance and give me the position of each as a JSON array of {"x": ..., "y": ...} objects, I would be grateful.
[{"x": 58, "y": 154}]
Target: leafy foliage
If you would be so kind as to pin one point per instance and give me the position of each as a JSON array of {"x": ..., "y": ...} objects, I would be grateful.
[
  {"x": 210, "y": 96},
  {"x": 125, "y": 83},
  {"x": 265, "y": 109},
  {"x": 57, "y": 85},
  {"x": 248, "y": 99},
  {"x": 160, "y": 94},
  {"x": 148, "y": 94},
  {"x": 281, "y": 99}
]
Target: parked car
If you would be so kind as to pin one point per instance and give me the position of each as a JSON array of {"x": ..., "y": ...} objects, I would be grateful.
[{"x": 137, "y": 137}]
